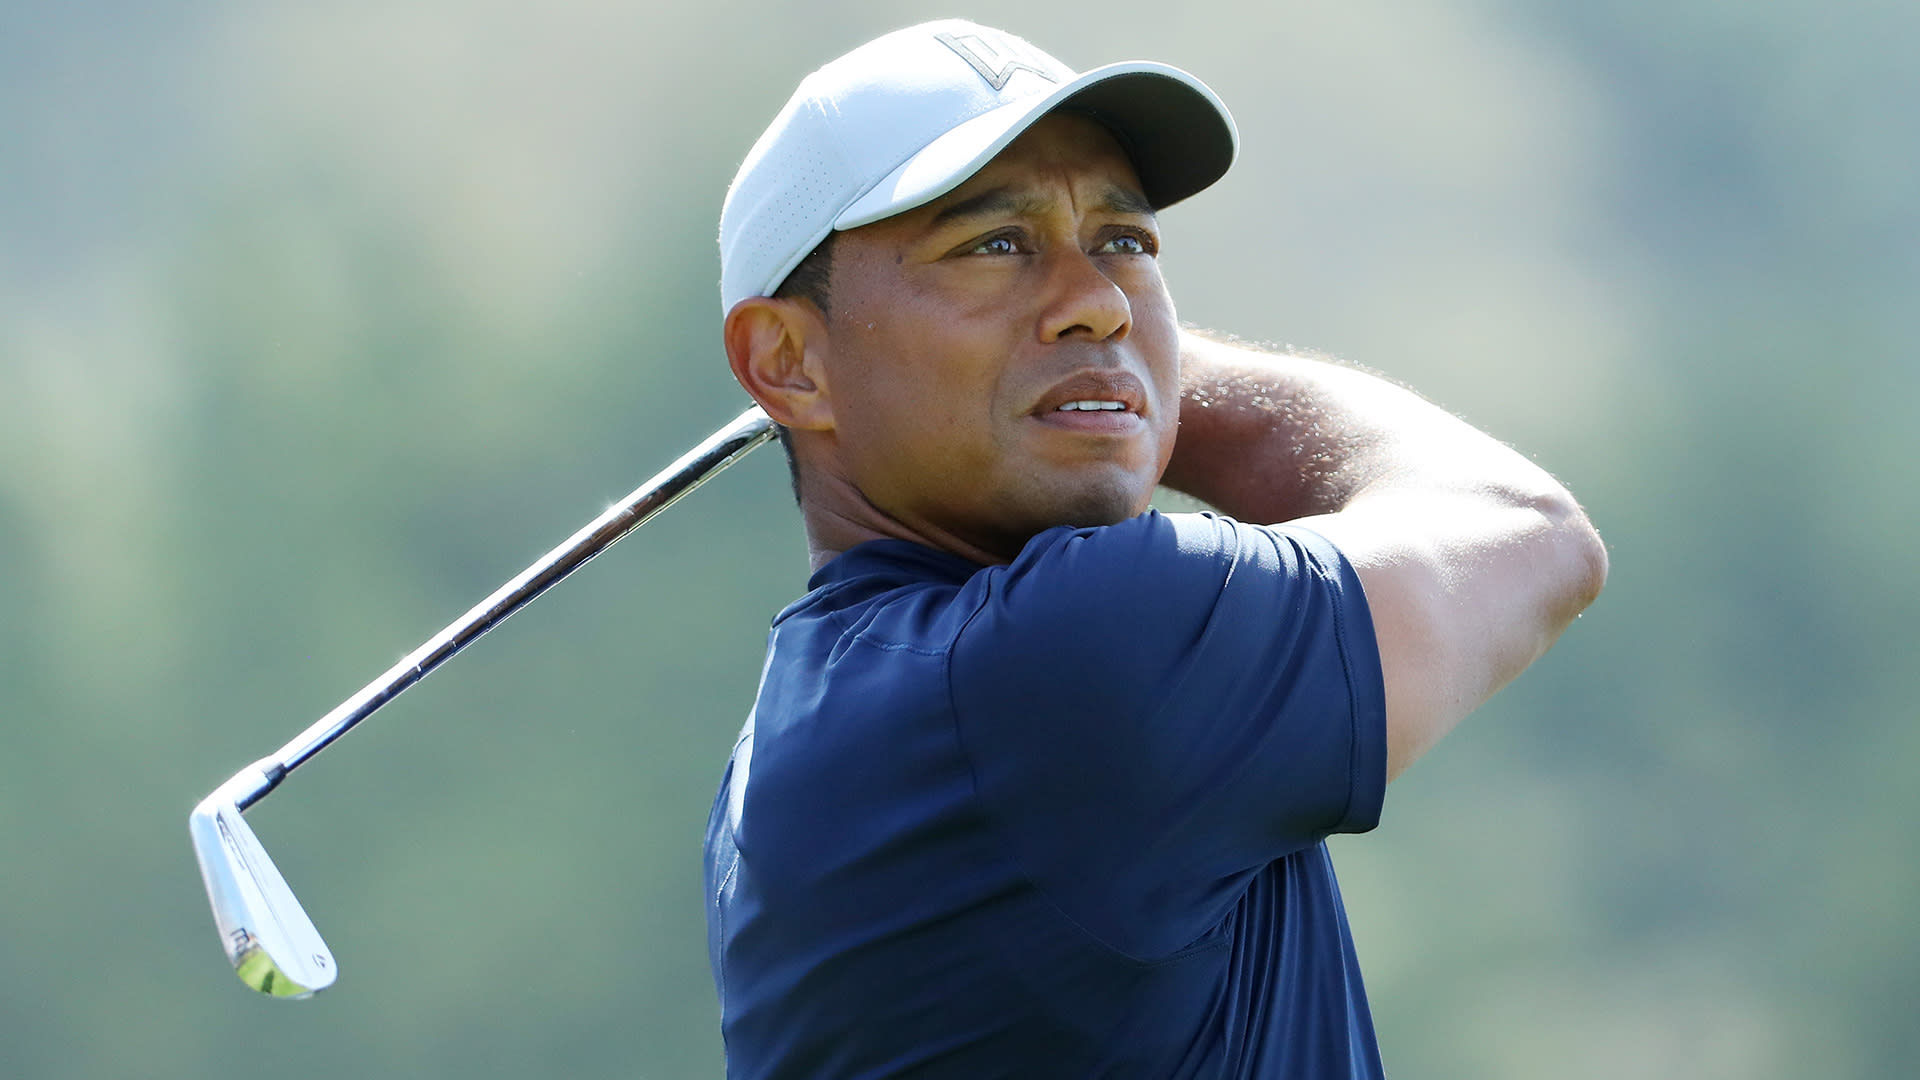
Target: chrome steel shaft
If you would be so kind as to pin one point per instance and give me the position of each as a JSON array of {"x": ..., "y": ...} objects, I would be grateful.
[{"x": 732, "y": 442}]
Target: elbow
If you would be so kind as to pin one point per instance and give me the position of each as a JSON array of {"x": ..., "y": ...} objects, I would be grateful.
[
  {"x": 1582, "y": 562},
  {"x": 1592, "y": 565}
]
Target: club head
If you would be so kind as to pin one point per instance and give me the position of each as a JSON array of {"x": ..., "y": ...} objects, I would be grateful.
[{"x": 268, "y": 937}]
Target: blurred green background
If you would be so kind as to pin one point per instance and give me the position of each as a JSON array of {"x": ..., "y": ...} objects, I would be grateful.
[{"x": 318, "y": 321}]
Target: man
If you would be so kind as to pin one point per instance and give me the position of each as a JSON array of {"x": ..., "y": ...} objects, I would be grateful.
[{"x": 1037, "y": 780}]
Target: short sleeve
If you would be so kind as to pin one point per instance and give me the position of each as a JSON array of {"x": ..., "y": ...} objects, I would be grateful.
[{"x": 1158, "y": 709}]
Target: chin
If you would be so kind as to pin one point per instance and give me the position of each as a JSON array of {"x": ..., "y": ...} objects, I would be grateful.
[{"x": 1106, "y": 500}]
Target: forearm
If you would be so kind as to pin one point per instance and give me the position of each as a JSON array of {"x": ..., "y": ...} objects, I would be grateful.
[{"x": 1271, "y": 437}]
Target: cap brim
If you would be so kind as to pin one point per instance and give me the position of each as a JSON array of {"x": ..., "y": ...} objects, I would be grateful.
[{"x": 1177, "y": 131}]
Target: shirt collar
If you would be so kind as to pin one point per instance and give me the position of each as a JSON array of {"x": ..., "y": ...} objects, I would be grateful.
[
  {"x": 893, "y": 560},
  {"x": 876, "y": 566}
]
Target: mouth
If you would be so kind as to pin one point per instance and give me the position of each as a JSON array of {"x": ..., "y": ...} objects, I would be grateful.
[{"x": 1095, "y": 402}]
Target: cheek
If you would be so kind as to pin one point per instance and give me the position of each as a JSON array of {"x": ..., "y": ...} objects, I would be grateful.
[
  {"x": 904, "y": 398},
  {"x": 924, "y": 359},
  {"x": 916, "y": 368},
  {"x": 1156, "y": 336}
]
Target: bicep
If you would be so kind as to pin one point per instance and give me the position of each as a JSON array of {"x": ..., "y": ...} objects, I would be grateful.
[{"x": 1465, "y": 591}]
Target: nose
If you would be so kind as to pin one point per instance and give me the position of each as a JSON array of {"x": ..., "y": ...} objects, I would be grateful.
[{"x": 1082, "y": 301}]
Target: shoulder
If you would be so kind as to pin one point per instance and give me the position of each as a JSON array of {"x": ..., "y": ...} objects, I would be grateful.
[
  {"x": 1156, "y": 576},
  {"x": 1190, "y": 547},
  {"x": 1162, "y": 615}
]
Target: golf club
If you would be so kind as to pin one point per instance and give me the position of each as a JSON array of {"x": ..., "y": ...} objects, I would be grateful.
[{"x": 271, "y": 943}]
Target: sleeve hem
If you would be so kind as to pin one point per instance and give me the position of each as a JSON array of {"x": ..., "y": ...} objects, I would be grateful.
[{"x": 1366, "y": 686}]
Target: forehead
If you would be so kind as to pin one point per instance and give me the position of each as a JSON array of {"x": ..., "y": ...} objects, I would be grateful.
[{"x": 1061, "y": 149}]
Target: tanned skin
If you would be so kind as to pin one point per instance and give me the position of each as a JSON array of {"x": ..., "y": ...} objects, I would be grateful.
[{"x": 925, "y": 407}]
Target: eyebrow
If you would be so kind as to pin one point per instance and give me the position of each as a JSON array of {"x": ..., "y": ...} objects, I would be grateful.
[{"x": 1011, "y": 202}]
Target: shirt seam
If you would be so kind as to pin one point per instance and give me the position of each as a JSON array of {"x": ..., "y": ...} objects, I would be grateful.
[
  {"x": 720, "y": 917},
  {"x": 1353, "y": 699},
  {"x": 873, "y": 640},
  {"x": 888, "y": 645}
]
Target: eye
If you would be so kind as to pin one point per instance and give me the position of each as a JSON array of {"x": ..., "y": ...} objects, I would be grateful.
[
  {"x": 996, "y": 245},
  {"x": 1128, "y": 243}
]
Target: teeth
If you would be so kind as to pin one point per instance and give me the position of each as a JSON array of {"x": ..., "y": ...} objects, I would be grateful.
[{"x": 1091, "y": 406}]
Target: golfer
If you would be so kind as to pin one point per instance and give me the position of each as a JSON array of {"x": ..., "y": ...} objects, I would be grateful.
[{"x": 1038, "y": 779}]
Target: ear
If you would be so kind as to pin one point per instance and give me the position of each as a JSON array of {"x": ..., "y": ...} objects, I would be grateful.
[{"x": 776, "y": 348}]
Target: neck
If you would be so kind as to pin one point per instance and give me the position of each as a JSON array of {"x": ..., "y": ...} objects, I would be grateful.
[{"x": 838, "y": 516}]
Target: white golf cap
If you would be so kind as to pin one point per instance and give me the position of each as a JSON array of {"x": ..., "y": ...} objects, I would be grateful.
[{"x": 907, "y": 117}]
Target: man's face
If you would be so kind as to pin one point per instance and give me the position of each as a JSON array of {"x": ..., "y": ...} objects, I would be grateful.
[{"x": 960, "y": 329}]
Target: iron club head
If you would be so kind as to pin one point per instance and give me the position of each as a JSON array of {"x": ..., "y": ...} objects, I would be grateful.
[{"x": 268, "y": 937}]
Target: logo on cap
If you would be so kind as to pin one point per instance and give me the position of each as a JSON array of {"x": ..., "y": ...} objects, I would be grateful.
[{"x": 995, "y": 61}]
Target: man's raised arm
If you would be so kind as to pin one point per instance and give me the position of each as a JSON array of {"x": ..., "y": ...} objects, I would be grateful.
[{"x": 1473, "y": 558}]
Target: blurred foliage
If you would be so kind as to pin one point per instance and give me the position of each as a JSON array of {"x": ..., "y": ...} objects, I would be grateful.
[{"x": 316, "y": 323}]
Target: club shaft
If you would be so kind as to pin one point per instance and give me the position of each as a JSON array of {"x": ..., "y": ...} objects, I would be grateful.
[{"x": 732, "y": 442}]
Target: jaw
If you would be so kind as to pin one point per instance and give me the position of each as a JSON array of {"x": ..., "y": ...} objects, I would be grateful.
[
  {"x": 988, "y": 530},
  {"x": 1046, "y": 494},
  {"x": 981, "y": 500}
]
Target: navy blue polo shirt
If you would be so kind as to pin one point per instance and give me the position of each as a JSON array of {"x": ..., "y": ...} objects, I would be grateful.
[{"x": 1059, "y": 818}]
